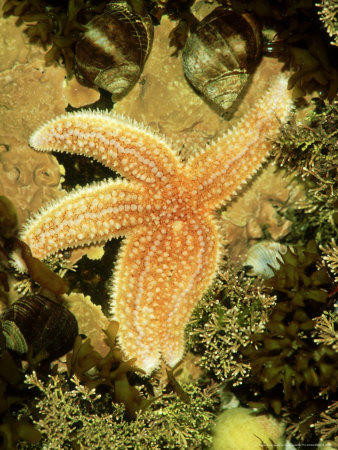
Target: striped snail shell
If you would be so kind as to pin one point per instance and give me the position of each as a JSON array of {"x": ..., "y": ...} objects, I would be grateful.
[
  {"x": 112, "y": 52},
  {"x": 37, "y": 323},
  {"x": 220, "y": 55}
]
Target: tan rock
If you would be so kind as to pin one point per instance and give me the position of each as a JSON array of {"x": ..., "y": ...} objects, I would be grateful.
[
  {"x": 30, "y": 94},
  {"x": 27, "y": 178},
  {"x": 255, "y": 212},
  {"x": 78, "y": 95}
]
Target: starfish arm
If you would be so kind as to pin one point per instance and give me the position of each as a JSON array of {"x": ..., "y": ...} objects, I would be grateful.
[
  {"x": 193, "y": 274},
  {"x": 88, "y": 215},
  {"x": 116, "y": 142},
  {"x": 228, "y": 162},
  {"x": 161, "y": 274}
]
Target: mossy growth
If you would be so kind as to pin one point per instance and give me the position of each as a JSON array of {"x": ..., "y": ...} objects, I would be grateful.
[
  {"x": 72, "y": 416},
  {"x": 290, "y": 370},
  {"x": 105, "y": 405},
  {"x": 328, "y": 13},
  {"x": 102, "y": 401},
  {"x": 311, "y": 152},
  {"x": 229, "y": 312},
  {"x": 274, "y": 345},
  {"x": 327, "y": 425}
]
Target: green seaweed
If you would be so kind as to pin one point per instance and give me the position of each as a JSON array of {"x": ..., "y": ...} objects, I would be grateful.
[
  {"x": 310, "y": 151},
  {"x": 328, "y": 13},
  {"x": 72, "y": 416},
  {"x": 289, "y": 368},
  {"x": 273, "y": 345},
  {"x": 223, "y": 321},
  {"x": 111, "y": 371}
]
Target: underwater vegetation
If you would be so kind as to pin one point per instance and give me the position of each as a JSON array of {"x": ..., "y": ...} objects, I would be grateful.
[
  {"x": 34, "y": 330},
  {"x": 71, "y": 416},
  {"x": 229, "y": 312},
  {"x": 100, "y": 402},
  {"x": 275, "y": 347},
  {"x": 291, "y": 369},
  {"x": 272, "y": 342},
  {"x": 96, "y": 404},
  {"x": 101, "y": 409},
  {"x": 328, "y": 13},
  {"x": 94, "y": 370},
  {"x": 311, "y": 152}
]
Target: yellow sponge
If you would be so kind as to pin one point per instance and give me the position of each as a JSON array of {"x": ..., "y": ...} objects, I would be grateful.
[{"x": 242, "y": 429}]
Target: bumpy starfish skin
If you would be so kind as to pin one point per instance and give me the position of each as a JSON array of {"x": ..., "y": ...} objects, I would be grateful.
[{"x": 165, "y": 210}]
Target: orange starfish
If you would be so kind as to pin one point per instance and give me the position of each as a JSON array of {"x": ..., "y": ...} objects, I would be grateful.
[{"x": 165, "y": 210}]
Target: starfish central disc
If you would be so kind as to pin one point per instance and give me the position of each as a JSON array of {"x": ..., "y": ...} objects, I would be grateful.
[{"x": 163, "y": 208}]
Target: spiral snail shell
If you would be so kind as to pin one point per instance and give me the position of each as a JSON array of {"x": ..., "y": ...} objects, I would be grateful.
[
  {"x": 112, "y": 52},
  {"x": 40, "y": 324},
  {"x": 220, "y": 55}
]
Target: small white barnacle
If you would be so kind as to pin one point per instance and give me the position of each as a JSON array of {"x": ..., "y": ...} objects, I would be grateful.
[{"x": 263, "y": 257}]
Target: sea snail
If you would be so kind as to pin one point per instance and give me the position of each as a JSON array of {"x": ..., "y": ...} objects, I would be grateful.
[
  {"x": 220, "y": 55},
  {"x": 112, "y": 51},
  {"x": 37, "y": 324}
]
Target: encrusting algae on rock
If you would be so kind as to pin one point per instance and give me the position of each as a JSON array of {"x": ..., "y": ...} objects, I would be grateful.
[
  {"x": 243, "y": 429},
  {"x": 166, "y": 211}
]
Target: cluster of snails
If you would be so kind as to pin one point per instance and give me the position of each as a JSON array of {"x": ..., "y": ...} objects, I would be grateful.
[
  {"x": 218, "y": 57},
  {"x": 106, "y": 43}
]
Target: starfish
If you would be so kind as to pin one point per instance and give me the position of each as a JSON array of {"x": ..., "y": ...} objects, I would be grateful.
[{"x": 165, "y": 209}]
